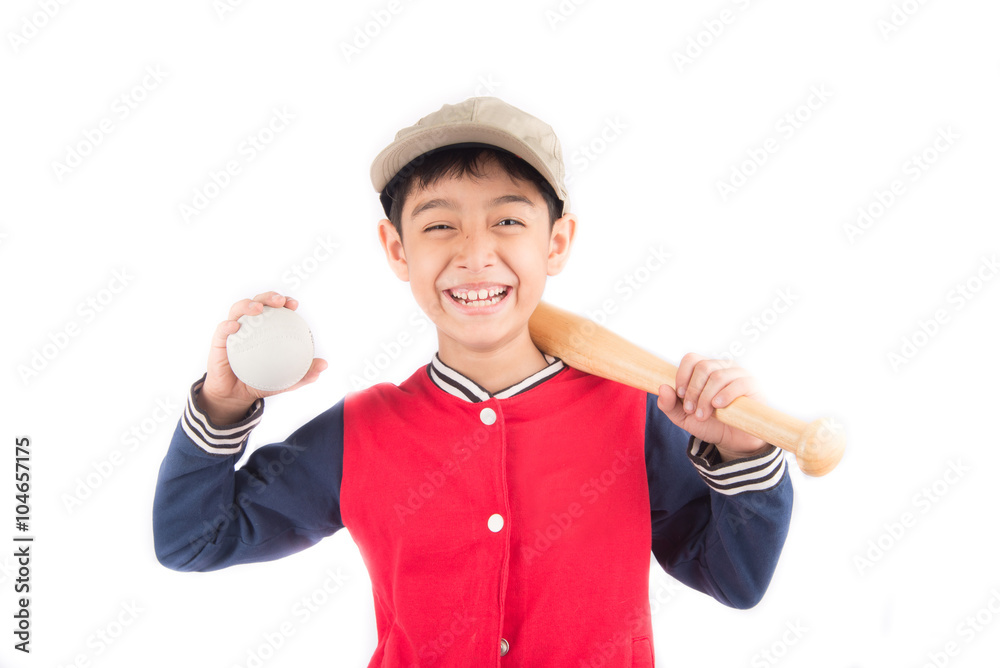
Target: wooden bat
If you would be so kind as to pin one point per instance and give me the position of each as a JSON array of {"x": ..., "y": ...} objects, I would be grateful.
[{"x": 587, "y": 346}]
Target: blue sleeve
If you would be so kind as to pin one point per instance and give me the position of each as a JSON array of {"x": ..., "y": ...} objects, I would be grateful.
[
  {"x": 286, "y": 497},
  {"x": 717, "y": 527}
]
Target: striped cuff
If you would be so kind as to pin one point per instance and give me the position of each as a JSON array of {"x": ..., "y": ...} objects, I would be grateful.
[
  {"x": 210, "y": 437},
  {"x": 747, "y": 474}
]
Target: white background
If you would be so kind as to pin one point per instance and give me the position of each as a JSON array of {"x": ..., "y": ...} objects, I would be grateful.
[{"x": 861, "y": 588}]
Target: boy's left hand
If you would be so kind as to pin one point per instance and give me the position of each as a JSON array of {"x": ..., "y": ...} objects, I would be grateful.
[{"x": 703, "y": 385}]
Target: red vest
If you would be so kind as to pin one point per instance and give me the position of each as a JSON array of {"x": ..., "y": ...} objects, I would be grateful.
[{"x": 521, "y": 523}]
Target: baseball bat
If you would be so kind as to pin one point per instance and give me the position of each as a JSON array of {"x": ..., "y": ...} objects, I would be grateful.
[{"x": 583, "y": 344}]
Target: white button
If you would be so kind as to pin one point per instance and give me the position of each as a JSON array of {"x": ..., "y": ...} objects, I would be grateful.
[
  {"x": 488, "y": 416},
  {"x": 504, "y": 646},
  {"x": 495, "y": 523}
]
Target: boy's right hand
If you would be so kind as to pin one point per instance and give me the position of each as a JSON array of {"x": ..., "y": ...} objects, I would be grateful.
[{"x": 224, "y": 397}]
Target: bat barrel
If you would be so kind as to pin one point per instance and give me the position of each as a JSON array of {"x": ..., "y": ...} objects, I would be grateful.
[
  {"x": 818, "y": 446},
  {"x": 821, "y": 447}
]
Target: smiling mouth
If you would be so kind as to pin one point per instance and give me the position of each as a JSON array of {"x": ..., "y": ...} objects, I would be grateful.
[{"x": 481, "y": 297}]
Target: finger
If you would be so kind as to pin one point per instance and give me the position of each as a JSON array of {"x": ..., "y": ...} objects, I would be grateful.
[
  {"x": 667, "y": 400},
  {"x": 318, "y": 366},
  {"x": 683, "y": 376},
  {"x": 738, "y": 387},
  {"x": 218, "y": 355},
  {"x": 222, "y": 332},
  {"x": 245, "y": 307},
  {"x": 718, "y": 379},
  {"x": 219, "y": 374},
  {"x": 671, "y": 405},
  {"x": 270, "y": 298},
  {"x": 696, "y": 385},
  {"x": 256, "y": 305}
]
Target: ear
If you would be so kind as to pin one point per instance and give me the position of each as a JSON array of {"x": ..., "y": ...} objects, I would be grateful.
[
  {"x": 393, "y": 247},
  {"x": 560, "y": 241}
]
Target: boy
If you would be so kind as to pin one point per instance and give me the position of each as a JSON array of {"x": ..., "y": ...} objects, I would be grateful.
[{"x": 505, "y": 504}]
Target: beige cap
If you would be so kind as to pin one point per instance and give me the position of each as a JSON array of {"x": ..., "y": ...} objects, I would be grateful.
[{"x": 478, "y": 120}]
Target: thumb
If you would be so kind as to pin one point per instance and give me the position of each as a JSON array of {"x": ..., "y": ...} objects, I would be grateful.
[{"x": 671, "y": 405}]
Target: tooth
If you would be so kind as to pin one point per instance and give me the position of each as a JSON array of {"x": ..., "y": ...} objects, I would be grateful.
[{"x": 482, "y": 293}]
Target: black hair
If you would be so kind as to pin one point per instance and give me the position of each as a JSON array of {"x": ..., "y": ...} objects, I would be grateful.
[{"x": 459, "y": 160}]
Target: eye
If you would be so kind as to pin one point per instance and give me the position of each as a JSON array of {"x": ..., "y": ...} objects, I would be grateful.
[
  {"x": 512, "y": 222},
  {"x": 439, "y": 226}
]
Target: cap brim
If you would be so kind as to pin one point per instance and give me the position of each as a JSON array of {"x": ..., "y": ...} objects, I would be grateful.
[{"x": 401, "y": 152}]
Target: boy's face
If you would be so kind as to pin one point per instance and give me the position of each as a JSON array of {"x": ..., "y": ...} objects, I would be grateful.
[{"x": 476, "y": 254}]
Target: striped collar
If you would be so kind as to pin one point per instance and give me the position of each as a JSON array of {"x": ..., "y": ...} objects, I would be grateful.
[{"x": 453, "y": 382}]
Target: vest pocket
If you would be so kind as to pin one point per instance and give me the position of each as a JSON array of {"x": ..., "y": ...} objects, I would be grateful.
[{"x": 642, "y": 653}]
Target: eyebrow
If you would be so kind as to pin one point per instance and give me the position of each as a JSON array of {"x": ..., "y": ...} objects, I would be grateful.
[{"x": 448, "y": 204}]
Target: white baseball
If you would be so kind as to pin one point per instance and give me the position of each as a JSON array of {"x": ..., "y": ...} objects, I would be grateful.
[{"x": 271, "y": 351}]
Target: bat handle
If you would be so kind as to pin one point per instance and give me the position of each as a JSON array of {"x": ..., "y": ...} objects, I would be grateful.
[{"x": 818, "y": 446}]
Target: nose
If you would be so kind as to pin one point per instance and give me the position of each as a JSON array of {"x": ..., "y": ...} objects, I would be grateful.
[{"x": 476, "y": 251}]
